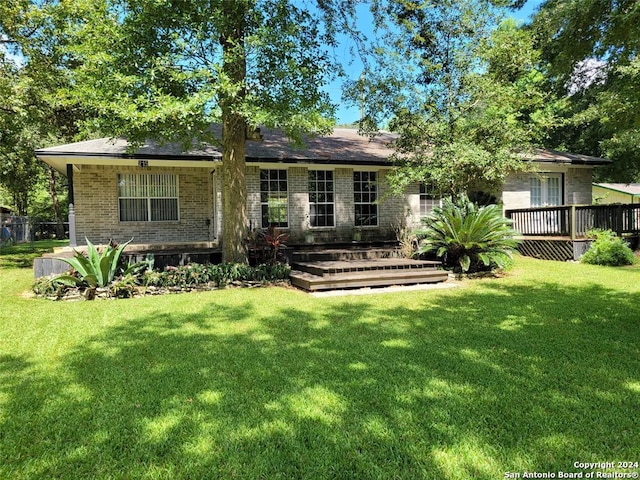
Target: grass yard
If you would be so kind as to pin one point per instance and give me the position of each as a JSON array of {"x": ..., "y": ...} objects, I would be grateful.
[{"x": 527, "y": 373}]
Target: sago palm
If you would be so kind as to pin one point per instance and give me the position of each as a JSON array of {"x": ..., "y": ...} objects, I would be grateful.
[{"x": 467, "y": 237}]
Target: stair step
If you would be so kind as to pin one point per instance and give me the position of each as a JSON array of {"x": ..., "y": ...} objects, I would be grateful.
[
  {"x": 364, "y": 265},
  {"x": 311, "y": 282},
  {"x": 344, "y": 254}
]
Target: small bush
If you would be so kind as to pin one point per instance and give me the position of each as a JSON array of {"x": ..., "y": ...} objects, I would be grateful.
[
  {"x": 608, "y": 249},
  {"x": 125, "y": 286},
  {"x": 50, "y": 287},
  {"x": 220, "y": 275}
]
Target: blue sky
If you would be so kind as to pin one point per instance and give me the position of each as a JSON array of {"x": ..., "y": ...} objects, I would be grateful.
[{"x": 349, "y": 114}]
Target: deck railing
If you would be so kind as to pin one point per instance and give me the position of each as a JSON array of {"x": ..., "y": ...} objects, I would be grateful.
[{"x": 575, "y": 221}]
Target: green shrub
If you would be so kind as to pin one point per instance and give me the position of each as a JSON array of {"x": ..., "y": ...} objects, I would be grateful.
[
  {"x": 194, "y": 274},
  {"x": 607, "y": 249},
  {"x": 468, "y": 238},
  {"x": 188, "y": 276},
  {"x": 125, "y": 286},
  {"x": 50, "y": 287}
]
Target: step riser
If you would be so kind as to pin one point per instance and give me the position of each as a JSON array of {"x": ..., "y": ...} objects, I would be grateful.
[
  {"x": 322, "y": 271},
  {"x": 357, "y": 268},
  {"x": 327, "y": 283},
  {"x": 344, "y": 256}
]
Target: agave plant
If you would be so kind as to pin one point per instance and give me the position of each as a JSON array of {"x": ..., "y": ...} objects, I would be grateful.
[
  {"x": 467, "y": 237},
  {"x": 97, "y": 269}
]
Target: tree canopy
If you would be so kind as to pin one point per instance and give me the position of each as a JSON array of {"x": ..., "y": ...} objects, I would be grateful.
[
  {"x": 592, "y": 48},
  {"x": 33, "y": 113},
  {"x": 167, "y": 70},
  {"x": 462, "y": 95},
  {"x": 466, "y": 91}
]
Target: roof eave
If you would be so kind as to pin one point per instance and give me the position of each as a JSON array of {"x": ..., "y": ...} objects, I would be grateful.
[{"x": 60, "y": 160}]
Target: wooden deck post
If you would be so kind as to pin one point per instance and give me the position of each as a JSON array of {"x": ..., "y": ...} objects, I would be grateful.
[
  {"x": 619, "y": 221},
  {"x": 572, "y": 222}
]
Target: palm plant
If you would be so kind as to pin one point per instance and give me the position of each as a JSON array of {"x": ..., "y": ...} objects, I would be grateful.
[{"x": 467, "y": 237}]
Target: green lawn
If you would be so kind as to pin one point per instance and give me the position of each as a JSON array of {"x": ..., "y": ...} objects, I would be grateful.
[
  {"x": 531, "y": 372},
  {"x": 22, "y": 255}
]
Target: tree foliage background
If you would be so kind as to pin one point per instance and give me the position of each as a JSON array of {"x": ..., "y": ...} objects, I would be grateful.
[
  {"x": 592, "y": 48},
  {"x": 467, "y": 91},
  {"x": 462, "y": 86}
]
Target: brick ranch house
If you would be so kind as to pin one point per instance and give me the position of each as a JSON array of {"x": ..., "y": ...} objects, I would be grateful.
[{"x": 327, "y": 192}]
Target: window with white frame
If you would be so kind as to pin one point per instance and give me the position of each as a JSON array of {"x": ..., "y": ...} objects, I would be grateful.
[
  {"x": 365, "y": 195},
  {"x": 321, "y": 199},
  {"x": 428, "y": 200},
  {"x": 274, "y": 199},
  {"x": 144, "y": 197},
  {"x": 546, "y": 189}
]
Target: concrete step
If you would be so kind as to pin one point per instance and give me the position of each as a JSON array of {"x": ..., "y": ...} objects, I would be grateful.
[{"x": 380, "y": 278}]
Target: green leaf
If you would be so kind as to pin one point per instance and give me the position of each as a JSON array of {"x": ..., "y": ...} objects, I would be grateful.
[
  {"x": 79, "y": 263},
  {"x": 69, "y": 280},
  {"x": 116, "y": 258},
  {"x": 465, "y": 262}
]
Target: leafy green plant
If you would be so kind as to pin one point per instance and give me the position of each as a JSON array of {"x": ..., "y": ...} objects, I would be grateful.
[
  {"x": 467, "y": 237},
  {"x": 221, "y": 275},
  {"x": 607, "y": 249},
  {"x": 50, "y": 287},
  {"x": 125, "y": 286},
  {"x": 154, "y": 278},
  {"x": 97, "y": 269}
]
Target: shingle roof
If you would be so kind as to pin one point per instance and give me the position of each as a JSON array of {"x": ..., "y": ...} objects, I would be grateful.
[
  {"x": 117, "y": 147},
  {"x": 554, "y": 156},
  {"x": 343, "y": 146},
  {"x": 628, "y": 188}
]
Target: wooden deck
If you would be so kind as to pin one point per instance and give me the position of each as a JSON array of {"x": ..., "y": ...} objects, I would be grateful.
[
  {"x": 575, "y": 221},
  {"x": 560, "y": 232},
  {"x": 339, "y": 269}
]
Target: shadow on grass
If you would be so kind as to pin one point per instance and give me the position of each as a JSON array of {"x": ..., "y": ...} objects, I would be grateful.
[{"x": 471, "y": 387}]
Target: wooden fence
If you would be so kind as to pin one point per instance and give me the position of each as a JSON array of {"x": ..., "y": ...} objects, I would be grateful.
[{"x": 574, "y": 221}]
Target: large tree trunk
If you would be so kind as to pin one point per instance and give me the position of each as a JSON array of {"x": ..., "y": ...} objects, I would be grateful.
[
  {"x": 234, "y": 187},
  {"x": 21, "y": 202},
  {"x": 234, "y": 190}
]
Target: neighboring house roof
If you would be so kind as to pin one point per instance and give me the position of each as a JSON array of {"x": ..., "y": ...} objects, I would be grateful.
[
  {"x": 4, "y": 209},
  {"x": 626, "y": 188},
  {"x": 342, "y": 147}
]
